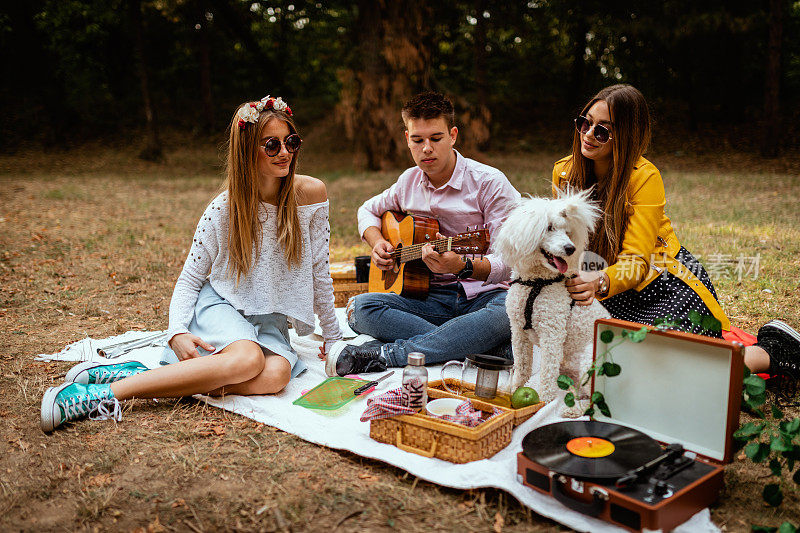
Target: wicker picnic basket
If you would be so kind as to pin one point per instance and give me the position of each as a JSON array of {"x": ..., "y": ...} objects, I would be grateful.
[
  {"x": 520, "y": 415},
  {"x": 432, "y": 437},
  {"x": 344, "y": 283}
]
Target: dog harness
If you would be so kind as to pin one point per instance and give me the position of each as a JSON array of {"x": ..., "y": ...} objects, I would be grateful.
[{"x": 536, "y": 286}]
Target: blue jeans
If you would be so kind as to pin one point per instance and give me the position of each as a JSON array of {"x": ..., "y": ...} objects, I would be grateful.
[{"x": 445, "y": 326}]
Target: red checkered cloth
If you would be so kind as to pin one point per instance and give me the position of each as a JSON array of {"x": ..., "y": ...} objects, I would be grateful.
[
  {"x": 466, "y": 415},
  {"x": 390, "y": 404}
]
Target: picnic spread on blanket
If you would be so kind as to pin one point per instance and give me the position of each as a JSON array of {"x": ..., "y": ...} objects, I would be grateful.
[{"x": 597, "y": 475}]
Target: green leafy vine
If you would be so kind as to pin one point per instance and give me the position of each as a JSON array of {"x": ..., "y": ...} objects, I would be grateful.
[
  {"x": 772, "y": 439},
  {"x": 604, "y": 364}
]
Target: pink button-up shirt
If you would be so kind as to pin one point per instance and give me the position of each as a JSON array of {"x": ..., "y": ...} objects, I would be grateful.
[{"x": 475, "y": 195}]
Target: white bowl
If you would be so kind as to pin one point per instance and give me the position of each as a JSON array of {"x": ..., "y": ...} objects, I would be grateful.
[{"x": 443, "y": 406}]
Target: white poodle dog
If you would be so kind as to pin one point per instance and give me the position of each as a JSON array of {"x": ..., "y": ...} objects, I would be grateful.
[{"x": 542, "y": 241}]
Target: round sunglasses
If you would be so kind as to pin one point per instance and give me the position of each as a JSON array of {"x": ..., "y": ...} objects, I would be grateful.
[
  {"x": 292, "y": 142},
  {"x": 601, "y": 133}
]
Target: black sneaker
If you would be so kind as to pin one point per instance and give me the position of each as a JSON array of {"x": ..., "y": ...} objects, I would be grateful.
[
  {"x": 782, "y": 343},
  {"x": 362, "y": 354}
]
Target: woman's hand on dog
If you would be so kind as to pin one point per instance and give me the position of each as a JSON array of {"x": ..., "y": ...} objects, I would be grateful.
[
  {"x": 441, "y": 263},
  {"x": 583, "y": 287}
]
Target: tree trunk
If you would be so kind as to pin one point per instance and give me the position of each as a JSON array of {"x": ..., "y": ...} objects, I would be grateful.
[
  {"x": 772, "y": 81},
  {"x": 204, "y": 54},
  {"x": 390, "y": 64},
  {"x": 479, "y": 128},
  {"x": 577, "y": 82},
  {"x": 152, "y": 150}
]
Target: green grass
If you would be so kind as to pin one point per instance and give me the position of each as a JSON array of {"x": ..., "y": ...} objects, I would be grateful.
[{"x": 91, "y": 244}]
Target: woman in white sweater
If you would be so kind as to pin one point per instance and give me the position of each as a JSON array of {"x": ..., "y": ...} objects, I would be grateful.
[{"x": 259, "y": 258}]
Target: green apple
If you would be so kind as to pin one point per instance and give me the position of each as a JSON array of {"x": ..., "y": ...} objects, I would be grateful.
[{"x": 523, "y": 397}]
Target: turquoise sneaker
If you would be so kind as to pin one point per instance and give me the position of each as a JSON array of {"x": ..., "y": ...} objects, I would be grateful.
[
  {"x": 72, "y": 401},
  {"x": 91, "y": 373}
]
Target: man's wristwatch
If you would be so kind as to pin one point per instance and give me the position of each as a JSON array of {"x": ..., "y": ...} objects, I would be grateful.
[
  {"x": 466, "y": 272},
  {"x": 602, "y": 287}
]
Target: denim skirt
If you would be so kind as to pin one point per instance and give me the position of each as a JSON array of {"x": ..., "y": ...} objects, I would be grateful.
[{"x": 218, "y": 323}]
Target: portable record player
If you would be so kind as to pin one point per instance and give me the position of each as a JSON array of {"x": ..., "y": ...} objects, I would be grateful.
[{"x": 677, "y": 389}]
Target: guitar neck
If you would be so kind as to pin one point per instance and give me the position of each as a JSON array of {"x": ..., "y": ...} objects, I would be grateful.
[{"x": 410, "y": 253}]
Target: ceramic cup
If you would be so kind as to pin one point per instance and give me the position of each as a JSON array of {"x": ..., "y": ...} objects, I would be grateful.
[{"x": 443, "y": 406}]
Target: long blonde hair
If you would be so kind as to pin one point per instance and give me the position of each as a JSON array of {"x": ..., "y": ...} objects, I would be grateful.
[
  {"x": 241, "y": 182},
  {"x": 630, "y": 136}
]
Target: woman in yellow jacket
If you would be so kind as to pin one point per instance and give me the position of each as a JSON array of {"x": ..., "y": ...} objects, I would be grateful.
[{"x": 650, "y": 275}]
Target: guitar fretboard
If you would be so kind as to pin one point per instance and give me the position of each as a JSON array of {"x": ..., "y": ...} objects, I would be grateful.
[{"x": 414, "y": 251}]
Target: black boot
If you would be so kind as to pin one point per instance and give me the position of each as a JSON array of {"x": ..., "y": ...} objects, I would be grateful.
[
  {"x": 362, "y": 354},
  {"x": 782, "y": 344}
]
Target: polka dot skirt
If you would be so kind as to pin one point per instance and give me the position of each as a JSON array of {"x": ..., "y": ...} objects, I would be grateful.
[{"x": 665, "y": 296}]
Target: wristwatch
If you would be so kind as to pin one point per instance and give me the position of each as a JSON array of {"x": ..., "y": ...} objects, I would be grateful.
[
  {"x": 466, "y": 272},
  {"x": 602, "y": 287}
]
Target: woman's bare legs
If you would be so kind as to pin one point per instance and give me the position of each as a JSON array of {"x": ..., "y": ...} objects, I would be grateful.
[
  {"x": 240, "y": 362},
  {"x": 276, "y": 374},
  {"x": 756, "y": 358}
]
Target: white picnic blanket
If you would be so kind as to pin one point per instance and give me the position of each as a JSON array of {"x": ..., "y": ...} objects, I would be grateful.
[{"x": 342, "y": 429}]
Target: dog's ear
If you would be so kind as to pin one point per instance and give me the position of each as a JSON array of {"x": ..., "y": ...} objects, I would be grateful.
[
  {"x": 581, "y": 209},
  {"x": 523, "y": 230}
]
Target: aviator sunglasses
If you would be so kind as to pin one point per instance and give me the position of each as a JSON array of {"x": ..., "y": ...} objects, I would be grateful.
[
  {"x": 583, "y": 125},
  {"x": 292, "y": 143}
]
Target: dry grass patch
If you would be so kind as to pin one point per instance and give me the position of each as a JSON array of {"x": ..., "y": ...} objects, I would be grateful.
[{"x": 91, "y": 242}]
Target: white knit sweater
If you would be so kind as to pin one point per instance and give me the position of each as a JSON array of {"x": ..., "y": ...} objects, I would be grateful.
[{"x": 271, "y": 286}]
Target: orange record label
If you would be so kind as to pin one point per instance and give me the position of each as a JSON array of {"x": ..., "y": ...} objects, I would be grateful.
[{"x": 590, "y": 447}]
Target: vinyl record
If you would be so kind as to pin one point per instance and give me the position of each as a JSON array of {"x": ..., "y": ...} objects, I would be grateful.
[{"x": 589, "y": 449}]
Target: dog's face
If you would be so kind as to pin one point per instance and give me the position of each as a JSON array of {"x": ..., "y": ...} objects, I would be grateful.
[{"x": 547, "y": 236}]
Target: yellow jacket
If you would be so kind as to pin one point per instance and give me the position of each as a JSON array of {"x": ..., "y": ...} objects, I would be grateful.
[{"x": 649, "y": 245}]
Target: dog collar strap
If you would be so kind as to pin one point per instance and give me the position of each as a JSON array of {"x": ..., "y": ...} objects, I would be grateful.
[{"x": 536, "y": 286}]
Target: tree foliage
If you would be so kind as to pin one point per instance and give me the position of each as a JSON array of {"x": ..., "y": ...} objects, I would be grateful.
[{"x": 68, "y": 65}]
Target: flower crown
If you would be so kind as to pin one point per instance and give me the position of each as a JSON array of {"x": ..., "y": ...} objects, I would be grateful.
[{"x": 250, "y": 113}]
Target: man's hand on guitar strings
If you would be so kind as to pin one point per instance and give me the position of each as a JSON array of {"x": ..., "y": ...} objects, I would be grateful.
[
  {"x": 441, "y": 263},
  {"x": 381, "y": 255}
]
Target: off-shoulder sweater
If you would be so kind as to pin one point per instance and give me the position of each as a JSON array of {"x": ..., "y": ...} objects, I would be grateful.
[{"x": 271, "y": 286}]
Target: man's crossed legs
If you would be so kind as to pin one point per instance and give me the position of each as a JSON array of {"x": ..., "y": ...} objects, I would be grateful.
[{"x": 445, "y": 326}]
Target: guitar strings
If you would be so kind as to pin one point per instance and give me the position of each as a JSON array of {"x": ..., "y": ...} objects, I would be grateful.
[{"x": 418, "y": 247}]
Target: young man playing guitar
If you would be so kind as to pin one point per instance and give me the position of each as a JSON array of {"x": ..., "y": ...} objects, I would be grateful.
[{"x": 464, "y": 311}]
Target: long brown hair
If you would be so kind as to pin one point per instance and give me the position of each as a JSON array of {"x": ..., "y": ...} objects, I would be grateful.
[
  {"x": 630, "y": 136},
  {"x": 241, "y": 182}
]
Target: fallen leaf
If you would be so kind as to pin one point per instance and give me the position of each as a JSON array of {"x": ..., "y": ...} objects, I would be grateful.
[
  {"x": 180, "y": 502},
  {"x": 100, "y": 480},
  {"x": 155, "y": 526},
  {"x": 499, "y": 522}
]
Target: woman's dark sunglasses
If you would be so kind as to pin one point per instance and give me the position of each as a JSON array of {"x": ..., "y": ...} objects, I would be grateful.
[
  {"x": 583, "y": 125},
  {"x": 273, "y": 145}
]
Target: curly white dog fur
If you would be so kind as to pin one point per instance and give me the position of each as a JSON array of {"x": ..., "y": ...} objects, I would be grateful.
[{"x": 542, "y": 240}]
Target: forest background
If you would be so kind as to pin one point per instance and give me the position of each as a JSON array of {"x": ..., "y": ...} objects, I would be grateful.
[{"x": 719, "y": 74}]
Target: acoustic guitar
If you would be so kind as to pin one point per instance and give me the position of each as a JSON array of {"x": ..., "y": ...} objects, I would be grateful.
[{"x": 408, "y": 234}]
